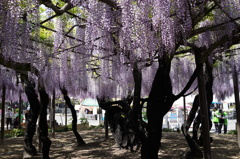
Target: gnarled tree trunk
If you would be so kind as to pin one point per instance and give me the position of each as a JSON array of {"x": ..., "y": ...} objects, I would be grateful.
[
  {"x": 121, "y": 122},
  {"x": 195, "y": 150},
  {"x": 43, "y": 127},
  {"x": 32, "y": 117},
  {"x": 3, "y": 113},
  {"x": 135, "y": 116},
  {"x": 159, "y": 103},
  {"x": 194, "y": 142},
  {"x": 209, "y": 92},
  {"x": 37, "y": 108},
  {"x": 80, "y": 141}
]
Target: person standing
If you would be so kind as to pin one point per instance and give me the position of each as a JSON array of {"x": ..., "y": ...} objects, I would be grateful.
[
  {"x": 9, "y": 116},
  {"x": 16, "y": 122},
  {"x": 215, "y": 118},
  {"x": 223, "y": 121}
]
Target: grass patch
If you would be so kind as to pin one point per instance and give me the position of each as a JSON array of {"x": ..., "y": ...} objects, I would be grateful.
[
  {"x": 234, "y": 132},
  {"x": 17, "y": 132},
  {"x": 7, "y": 135},
  {"x": 167, "y": 130},
  {"x": 92, "y": 127}
]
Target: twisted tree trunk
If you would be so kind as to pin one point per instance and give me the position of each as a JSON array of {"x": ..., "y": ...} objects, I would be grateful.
[
  {"x": 37, "y": 108},
  {"x": 194, "y": 142},
  {"x": 209, "y": 96},
  {"x": 126, "y": 132},
  {"x": 80, "y": 141},
  {"x": 32, "y": 117},
  {"x": 159, "y": 103},
  {"x": 43, "y": 127},
  {"x": 237, "y": 101},
  {"x": 3, "y": 113},
  {"x": 135, "y": 115},
  {"x": 195, "y": 150}
]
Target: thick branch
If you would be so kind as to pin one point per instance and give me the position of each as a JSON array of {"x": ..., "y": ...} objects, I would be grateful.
[
  {"x": 205, "y": 54},
  {"x": 110, "y": 3},
  {"x": 232, "y": 19},
  {"x": 17, "y": 66},
  {"x": 56, "y": 9},
  {"x": 56, "y": 32},
  {"x": 212, "y": 27},
  {"x": 201, "y": 15},
  {"x": 191, "y": 80},
  {"x": 46, "y": 20},
  {"x": 74, "y": 116}
]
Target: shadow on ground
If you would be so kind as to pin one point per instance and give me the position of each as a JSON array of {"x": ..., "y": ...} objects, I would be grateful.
[{"x": 64, "y": 146}]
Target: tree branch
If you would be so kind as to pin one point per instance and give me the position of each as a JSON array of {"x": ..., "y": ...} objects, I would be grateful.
[
  {"x": 212, "y": 27},
  {"x": 191, "y": 80},
  {"x": 220, "y": 7},
  {"x": 74, "y": 15},
  {"x": 205, "y": 54},
  {"x": 110, "y": 3},
  {"x": 201, "y": 15},
  {"x": 48, "y": 3},
  {"x": 17, "y": 66}
]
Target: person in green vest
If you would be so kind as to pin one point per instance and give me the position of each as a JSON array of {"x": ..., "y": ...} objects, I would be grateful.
[
  {"x": 223, "y": 121},
  {"x": 215, "y": 118}
]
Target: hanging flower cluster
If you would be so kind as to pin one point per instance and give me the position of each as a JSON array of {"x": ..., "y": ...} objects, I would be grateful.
[{"x": 95, "y": 54}]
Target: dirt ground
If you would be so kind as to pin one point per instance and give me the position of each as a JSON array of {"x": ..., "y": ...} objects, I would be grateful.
[{"x": 63, "y": 146}]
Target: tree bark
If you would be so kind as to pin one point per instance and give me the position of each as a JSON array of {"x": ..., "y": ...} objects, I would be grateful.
[
  {"x": 195, "y": 150},
  {"x": 126, "y": 132},
  {"x": 159, "y": 103},
  {"x": 43, "y": 127},
  {"x": 20, "y": 110},
  {"x": 113, "y": 117},
  {"x": 32, "y": 117},
  {"x": 80, "y": 141},
  {"x": 3, "y": 113},
  {"x": 106, "y": 125},
  {"x": 236, "y": 93},
  {"x": 237, "y": 101},
  {"x": 135, "y": 116},
  {"x": 204, "y": 110},
  {"x": 65, "y": 114},
  {"x": 137, "y": 110},
  {"x": 209, "y": 98},
  {"x": 53, "y": 115},
  {"x": 184, "y": 108}
]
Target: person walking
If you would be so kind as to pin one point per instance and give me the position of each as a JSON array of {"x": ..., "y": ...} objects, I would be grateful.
[
  {"x": 9, "y": 116},
  {"x": 223, "y": 121},
  {"x": 215, "y": 119}
]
